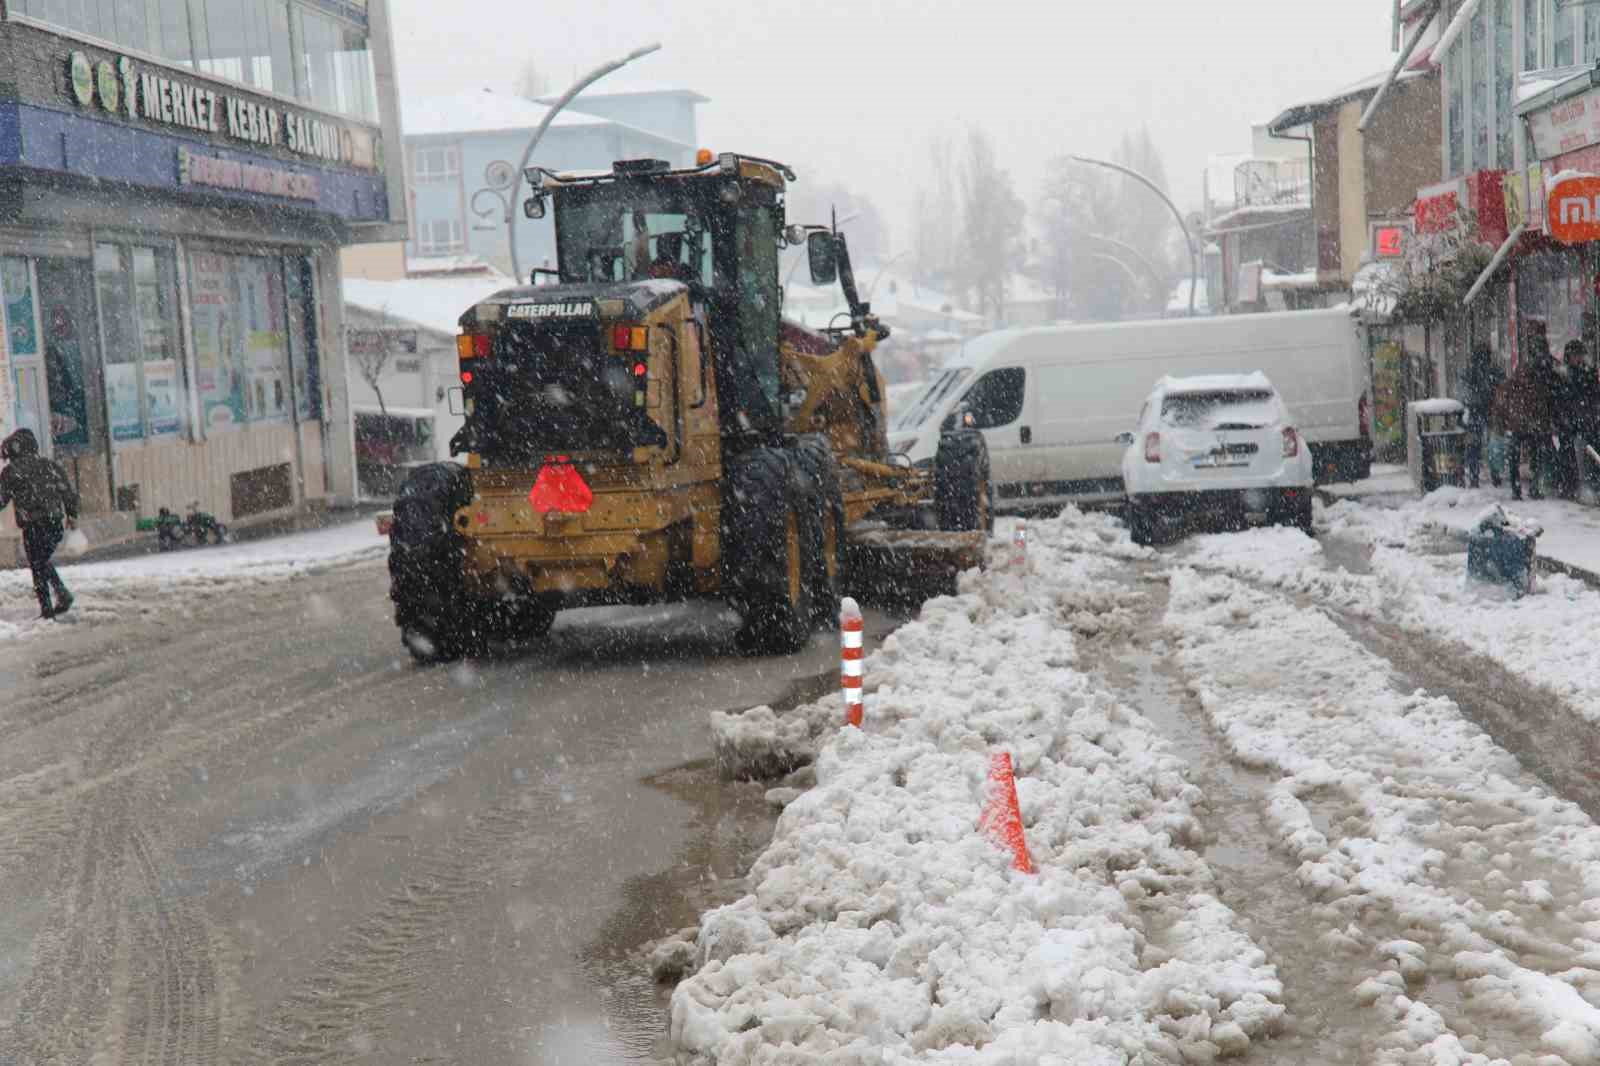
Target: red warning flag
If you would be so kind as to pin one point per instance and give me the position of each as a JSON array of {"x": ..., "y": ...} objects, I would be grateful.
[{"x": 560, "y": 487}]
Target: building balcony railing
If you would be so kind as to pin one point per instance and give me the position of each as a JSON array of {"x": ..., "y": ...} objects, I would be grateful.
[{"x": 1272, "y": 182}]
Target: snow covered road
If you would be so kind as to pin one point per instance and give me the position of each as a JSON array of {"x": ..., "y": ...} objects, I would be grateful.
[{"x": 1266, "y": 819}]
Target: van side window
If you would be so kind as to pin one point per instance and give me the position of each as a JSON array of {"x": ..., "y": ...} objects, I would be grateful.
[{"x": 996, "y": 398}]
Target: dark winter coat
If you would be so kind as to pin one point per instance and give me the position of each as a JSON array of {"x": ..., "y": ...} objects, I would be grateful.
[
  {"x": 37, "y": 486},
  {"x": 1582, "y": 400},
  {"x": 1525, "y": 401}
]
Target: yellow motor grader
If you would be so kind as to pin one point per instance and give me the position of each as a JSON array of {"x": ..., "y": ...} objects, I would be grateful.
[{"x": 647, "y": 426}]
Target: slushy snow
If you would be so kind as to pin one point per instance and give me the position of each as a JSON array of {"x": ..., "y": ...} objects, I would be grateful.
[{"x": 881, "y": 927}]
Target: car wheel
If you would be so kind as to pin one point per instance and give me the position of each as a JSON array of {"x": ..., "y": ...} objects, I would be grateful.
[
  {"x": 1141, "y": 527},
  {"x": 1303, "y": 516}
]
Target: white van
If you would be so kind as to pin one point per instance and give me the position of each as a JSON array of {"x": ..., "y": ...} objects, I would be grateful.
[{"x": 1052, "y": 400}]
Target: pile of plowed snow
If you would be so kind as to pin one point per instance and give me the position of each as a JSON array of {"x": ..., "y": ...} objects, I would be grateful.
[{"x": 881, "y": 927}]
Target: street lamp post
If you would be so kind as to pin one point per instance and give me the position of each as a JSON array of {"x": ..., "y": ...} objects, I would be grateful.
[
  {"x": 882, "y": 270},
  {"x": 533, "y": 142},
  {"x": 1188, "y": 238}
]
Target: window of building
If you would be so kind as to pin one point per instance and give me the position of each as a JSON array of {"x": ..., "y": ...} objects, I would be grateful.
[
  {"x": 145, "y": 391},
  {"x": 1563, "y": 34},
  {"x": 441, "y": 236},
  {"x": 1504, "y": 119},
  {"x": 1455, "y": 107},
  {"x": 255, "y": 354},
  {"x": 1531, "y": 57},
  {"x": 1480, "y": 66},
  {"x": 277, "y": 46},
  {"x": 431, "y": 165}
]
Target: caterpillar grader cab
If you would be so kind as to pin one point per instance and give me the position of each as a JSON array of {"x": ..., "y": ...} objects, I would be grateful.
[{"x": 646, "y": 427}]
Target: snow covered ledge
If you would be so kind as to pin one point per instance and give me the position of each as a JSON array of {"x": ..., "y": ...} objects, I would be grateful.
[{"x": 880, "y": 927}]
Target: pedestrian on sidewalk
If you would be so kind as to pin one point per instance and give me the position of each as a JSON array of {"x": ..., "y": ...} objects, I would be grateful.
[
  {"x": 1525, "y": 410},
  {"x": 1566, "y": 410},
  {"x": 45, "y": 503},
  {"x": 1583, "y": 418},
  {"x": 1478, "y": 383}
]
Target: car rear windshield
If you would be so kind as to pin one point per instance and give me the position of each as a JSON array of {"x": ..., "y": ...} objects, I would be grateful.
[{"x": 1223, "y": 409}]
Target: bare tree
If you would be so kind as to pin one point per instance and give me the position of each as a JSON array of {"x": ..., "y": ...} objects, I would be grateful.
[
  {"x": 936, "y": 219},
  {"x": 372, "y": 357},
  {"x": 992, "y": 245}
]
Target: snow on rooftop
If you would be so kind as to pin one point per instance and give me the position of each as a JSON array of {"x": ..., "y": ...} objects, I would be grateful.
[
  {"x": 611, "y": 88},
  {"x": 481, "y": 112},
  {"x": 1186, "y": 383},
  {"x": 433, "y": 303}
]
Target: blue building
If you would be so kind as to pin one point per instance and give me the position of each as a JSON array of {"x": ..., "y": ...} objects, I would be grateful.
[
  {"x": 462, "y": 150},
  {"x": 176, "y": 182}
]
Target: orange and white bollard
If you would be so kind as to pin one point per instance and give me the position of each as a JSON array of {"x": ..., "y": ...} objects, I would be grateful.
[
  {"x": 1019, "y": 544},
  {"x": 851, "y": 627}
]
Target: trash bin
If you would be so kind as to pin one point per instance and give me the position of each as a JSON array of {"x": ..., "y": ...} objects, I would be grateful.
[
  {"x": 1436, "y": 442},
  {"x": 1502, "y": 548}
]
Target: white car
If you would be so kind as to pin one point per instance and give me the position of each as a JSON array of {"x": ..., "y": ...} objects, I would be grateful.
[{"x": 1215, "y": 446}]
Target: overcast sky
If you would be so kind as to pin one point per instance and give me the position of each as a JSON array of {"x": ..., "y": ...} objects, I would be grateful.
[{"x": 851, "y": 90}]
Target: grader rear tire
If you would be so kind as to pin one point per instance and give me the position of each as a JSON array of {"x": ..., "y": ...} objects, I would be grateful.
[
  {"x": 825, "y": 567},
  {"x": 769, "y": 532},
  {"x": 426, "y": 557}
]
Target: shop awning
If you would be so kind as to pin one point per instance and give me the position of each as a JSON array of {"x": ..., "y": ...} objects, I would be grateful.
[{"x": 1495, "y": 264}]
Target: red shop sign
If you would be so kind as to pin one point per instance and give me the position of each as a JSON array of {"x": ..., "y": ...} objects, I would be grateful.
[{"x": 1574, "y": 210}]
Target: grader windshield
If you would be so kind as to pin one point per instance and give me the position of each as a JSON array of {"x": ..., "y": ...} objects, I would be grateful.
[{"x": 715, "y": 231}]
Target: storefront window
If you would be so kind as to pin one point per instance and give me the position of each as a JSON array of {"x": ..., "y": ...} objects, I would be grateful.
[
  {"x": 244, "y": 335},
  {"x": 22, "y": 344},
  {"x": 1591, "y": 34},
  {"x": 138, "y": 317},
  {"x": 1552, "y": 298}
]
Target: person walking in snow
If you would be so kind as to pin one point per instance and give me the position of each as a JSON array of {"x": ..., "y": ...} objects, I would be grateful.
[
  {"x": 1478, "y": 383},
  {"x": 1583, "y": 397},
  {"x": 45, "y": 503},
  {"x": 1525, "y": 406}
]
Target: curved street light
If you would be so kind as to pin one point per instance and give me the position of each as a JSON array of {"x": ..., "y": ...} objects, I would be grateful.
[
  {"x": 1188, "y": 238},
  {"x": 533, "y": 142}
]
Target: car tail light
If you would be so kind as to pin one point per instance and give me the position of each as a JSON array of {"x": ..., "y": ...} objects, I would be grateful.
[
  {"x": 1291, "y": 442},
  {"x": 1363, "y": 410},
  {"x": 1152, "y": 447},
  {"x": 474, "y": 346}
]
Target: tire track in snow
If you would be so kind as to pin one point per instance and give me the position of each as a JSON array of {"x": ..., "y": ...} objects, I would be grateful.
[{"x": 1401, "y": 810}]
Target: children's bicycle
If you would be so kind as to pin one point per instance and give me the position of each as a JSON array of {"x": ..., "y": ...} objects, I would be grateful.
[{"x": 196, "y": 529}]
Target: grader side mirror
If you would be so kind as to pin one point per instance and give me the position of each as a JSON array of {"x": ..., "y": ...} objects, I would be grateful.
[{"x": 823, "y": 255}]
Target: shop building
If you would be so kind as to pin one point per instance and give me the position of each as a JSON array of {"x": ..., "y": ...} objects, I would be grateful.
[{"x": 177, "y": 178}]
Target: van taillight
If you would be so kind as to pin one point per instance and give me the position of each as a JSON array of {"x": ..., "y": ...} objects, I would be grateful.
[
  {"x": 1363, "y": 410},
  {"x": 1152, "y": 447},
  {"x": 1291, "y": 442}
]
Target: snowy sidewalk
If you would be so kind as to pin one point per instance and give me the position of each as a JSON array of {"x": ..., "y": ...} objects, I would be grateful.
[{"x": 145, "y": 583}]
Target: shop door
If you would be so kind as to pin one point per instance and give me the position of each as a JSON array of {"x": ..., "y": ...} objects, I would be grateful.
[
  {"x": 23, "y": 378},
  {"x": 66, "y": 317}
]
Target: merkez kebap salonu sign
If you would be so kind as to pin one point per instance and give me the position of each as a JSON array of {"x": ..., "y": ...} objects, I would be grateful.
[{"x": 125, "y": 88}]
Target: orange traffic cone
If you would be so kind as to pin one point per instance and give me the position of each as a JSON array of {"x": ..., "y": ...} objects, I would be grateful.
[{"x": 1001, "y": 817}]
